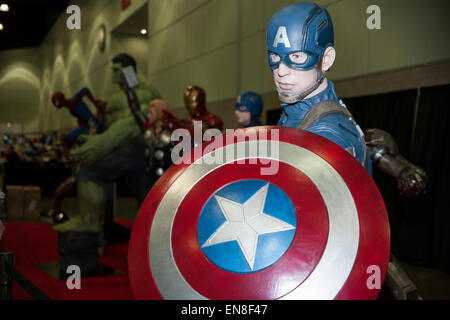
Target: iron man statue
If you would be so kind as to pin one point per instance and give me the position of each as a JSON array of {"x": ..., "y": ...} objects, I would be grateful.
[{"x": 195, "y": 102}]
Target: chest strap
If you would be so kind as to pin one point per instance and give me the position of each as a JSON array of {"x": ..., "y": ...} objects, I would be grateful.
[
  {"x": 325, "y": 108},
  {"x": 321, "y": 110}
]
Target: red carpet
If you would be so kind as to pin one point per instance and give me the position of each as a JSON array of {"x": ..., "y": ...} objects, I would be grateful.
[{"x": 34, "y": 243}]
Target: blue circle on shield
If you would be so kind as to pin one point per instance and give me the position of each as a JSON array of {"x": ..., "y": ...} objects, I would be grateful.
[{"x": 247, "y": 226}]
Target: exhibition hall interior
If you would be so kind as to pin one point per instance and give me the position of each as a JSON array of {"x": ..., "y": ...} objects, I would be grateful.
[{"x": 119, "y": 122}]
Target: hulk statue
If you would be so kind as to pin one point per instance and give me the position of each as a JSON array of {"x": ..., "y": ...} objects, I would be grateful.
[{"x": 115, "y": 154}]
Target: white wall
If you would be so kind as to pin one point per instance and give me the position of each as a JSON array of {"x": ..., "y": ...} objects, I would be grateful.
[{"x": 217, "y": 44}]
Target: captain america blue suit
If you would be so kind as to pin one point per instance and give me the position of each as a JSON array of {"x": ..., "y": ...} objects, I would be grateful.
[
  {"x": 300, "y": 44},
  {"x": 335, "y": 127},
  {"x": 298, "y": 36}
]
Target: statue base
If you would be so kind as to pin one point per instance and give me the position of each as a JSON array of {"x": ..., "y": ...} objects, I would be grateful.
[{"x": 79, "y": 249}]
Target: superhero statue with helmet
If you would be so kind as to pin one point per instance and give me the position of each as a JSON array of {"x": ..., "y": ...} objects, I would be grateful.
[
  {"x": 201, "y": 232},
  {"x": 195, "y": 102},
  {"x": 115, "y": 154},
  {"x": 300, "y": 42},
  {"x": 248, "y": 107}
]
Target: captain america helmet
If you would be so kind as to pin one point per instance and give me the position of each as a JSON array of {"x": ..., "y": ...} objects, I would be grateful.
[
  {"x": 249, "y": 102},
  {"x": 300, "y": 27}
]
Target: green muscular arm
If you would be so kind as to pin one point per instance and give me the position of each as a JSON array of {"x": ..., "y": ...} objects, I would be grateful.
[
  {"x": 118, "y": 108},
  {"x": 122, "y": 130},
  {"x": 98, "y": 146}
]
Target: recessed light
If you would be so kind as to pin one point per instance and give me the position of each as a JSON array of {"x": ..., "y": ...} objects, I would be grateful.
[
  {"x": 143, "y": 31},
  {"x": 4, "y": 7},
  {"x": 1, "y": 26}
]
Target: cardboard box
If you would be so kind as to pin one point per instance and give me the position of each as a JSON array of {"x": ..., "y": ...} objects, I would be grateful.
[
  {"x": 15, "y": 201},
  {"x": 32, "y": 202}
]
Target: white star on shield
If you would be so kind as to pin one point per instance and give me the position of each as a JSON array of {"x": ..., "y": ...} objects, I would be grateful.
[{"x": 245, "y": 223}]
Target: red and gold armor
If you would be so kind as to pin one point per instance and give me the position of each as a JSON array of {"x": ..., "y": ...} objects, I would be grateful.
[{"x": 195, "y": 102}]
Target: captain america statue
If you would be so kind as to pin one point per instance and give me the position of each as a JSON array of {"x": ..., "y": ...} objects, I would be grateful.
[
  {"x": 300, "y": 40},
  {"x": 225, "y": 230},
  {"x": 248, "y": 108}
]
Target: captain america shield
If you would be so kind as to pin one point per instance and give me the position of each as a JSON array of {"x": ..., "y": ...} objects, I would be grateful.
[{"x": 314, "y": 228}]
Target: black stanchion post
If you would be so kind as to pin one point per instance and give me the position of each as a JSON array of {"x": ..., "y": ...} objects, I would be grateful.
[{"x": 6, "y": 275}]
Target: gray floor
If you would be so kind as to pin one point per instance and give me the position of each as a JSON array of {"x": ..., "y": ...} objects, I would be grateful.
[{"x": 433, "y": 283}]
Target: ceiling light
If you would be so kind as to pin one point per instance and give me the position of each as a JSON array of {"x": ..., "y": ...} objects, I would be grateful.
[
  {"x": 4, "y": 7},
  {"x": 1, "y": 26},
  {"x": 143, "y": 31}
]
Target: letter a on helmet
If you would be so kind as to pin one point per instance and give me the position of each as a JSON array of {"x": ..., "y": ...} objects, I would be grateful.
[{"x": 281, "y": 37}]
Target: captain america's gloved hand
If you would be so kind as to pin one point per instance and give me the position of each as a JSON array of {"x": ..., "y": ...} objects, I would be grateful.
[{"x": 412, "y": 182}]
